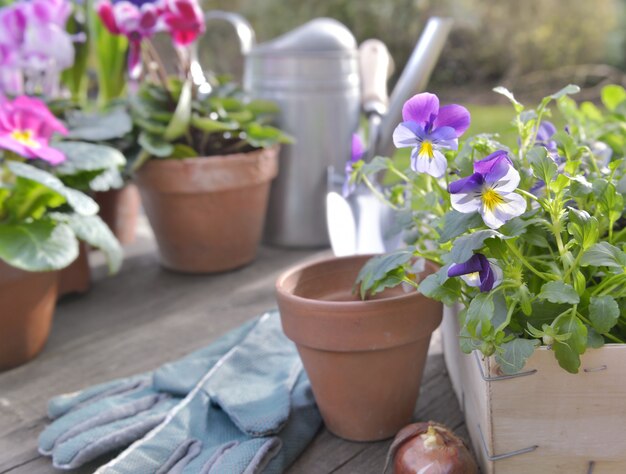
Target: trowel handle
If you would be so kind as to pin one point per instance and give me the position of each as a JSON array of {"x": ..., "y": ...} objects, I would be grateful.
[{"x": 376, "y": 65}]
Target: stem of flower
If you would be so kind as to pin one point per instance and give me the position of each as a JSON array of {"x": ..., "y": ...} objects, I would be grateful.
[
  {"x": 605, "y": 334},
  {"x": 517, "y": 254},
  {"x": 527, "y": 194},
  {"x": 509, "y": 315},
  {"x": 378, "y": 194}
]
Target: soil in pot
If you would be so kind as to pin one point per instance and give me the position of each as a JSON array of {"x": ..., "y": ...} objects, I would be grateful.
[
  {"x": 365, "y": 359},
  {"x": 119, "y": 209},
  {"x": 207, "y": 213},
  {"x": 27, "y": 301}
]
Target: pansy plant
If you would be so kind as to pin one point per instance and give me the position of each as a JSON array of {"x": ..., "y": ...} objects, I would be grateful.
[{"x": 529, "y": 240}]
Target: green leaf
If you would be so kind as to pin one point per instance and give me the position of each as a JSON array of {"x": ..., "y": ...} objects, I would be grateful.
[
  {"x": 612, "y": 96},
  {"x": 509, "y": 95},
  {"x": 583, "y": 227},
  {"x": 479, "y": 312},
  {"x": 463, "y": 247},
  {"x": 544, "y": 167},
  {"x": 456, "y": 223},
  {"x": 567, "y": 90},
  {"x": 558, "y": 292},
  {"x": 182, "y": 115},
  {"x": 155, "y": 145},
  {"x": 378, "y": 164},
  {"x": 438, "y": 286},
  {"x": 80, "y": 202},
  {"x": 603, "y": 313},
  {"x": 514, "y": 354},
  {"x": 212, "y": 126},
  {"x": 594, "y": 340},
  {"x": 99, "y": 127},
  {"x": 182, "y": 151},
  {"x": 38, "y": 246},
  {"x": 378, "y": 267},
  {"x": 83, "y": 156},
  {"x": 96, "y": 233},
  {"x": 265, "y": 136},
  {"x": 30, "y": 199},
  {"x": 604, "y": 254},
  {"x": 568, "y": 352},
  {"x": 259, "y": 106}
]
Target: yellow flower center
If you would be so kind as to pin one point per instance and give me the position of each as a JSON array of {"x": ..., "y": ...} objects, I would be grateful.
[
  {"x": 427, "y": 149},
  {"x": 25, "y": 137},
  {"x": 491, "y": 199}
]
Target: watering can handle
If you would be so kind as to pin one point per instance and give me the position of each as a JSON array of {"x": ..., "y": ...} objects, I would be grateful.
[
  {"x": 242, "y": 27},
  {"x": 375, "y": 65}
]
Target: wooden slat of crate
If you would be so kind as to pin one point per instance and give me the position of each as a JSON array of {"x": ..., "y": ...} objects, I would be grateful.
[{"x": 573, "y": 419}]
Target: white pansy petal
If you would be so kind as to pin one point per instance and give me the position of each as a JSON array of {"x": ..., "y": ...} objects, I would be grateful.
[
  {"x": 438, "y": 164},
  {"x": 403, "y": 137},
  {"x": 498, "y": 274},
  {"x": 509, "y": 182},
  {"x": 472, "y": 279},
  {"x": 490, "y": 218},
  {"x": 465, "y": 203},
  {"x": 514, "y": 205}
]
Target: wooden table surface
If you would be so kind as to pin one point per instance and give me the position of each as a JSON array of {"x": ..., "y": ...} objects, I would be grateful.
[{"x": 145, "y": 316}]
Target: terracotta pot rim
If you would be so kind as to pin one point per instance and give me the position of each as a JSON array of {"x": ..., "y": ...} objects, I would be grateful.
[
  {"x": 359, "y": 305},
  {"x": 231, "y": 157}
]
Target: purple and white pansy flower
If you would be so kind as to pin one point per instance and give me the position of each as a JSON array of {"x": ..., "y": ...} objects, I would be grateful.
[
  {"x": 429, "y": 129},
  {"x": 356, "y": 155},
  {"x": 490, "y": 191},
  {"x": 478, "y": 271}
]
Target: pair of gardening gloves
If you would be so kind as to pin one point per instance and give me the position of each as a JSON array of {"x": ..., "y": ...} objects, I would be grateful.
[{"x": 241, "y": 405}]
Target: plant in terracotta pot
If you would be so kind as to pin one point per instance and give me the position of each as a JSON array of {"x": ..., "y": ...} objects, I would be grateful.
[
  {"x": 530, "y": 240},
  {"x": 41, "y": 222},
  {"x": 207, "y": 154}
]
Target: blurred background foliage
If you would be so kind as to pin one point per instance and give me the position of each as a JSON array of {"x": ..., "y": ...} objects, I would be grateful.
[{"x": 531, "y": 46}]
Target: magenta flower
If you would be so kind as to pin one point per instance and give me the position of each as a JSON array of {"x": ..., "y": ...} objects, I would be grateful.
[
  {"x": 136, "y": 20},
  {"x": 26, "y": 126},
  {"x": 184, "y": 20},
  {"x": 356, "y": 154},
  {"x": 429, "y": 129},
  {"x": 478, "y": 271}
]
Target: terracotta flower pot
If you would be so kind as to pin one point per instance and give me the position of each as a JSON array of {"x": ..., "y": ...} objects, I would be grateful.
[
  {"x": 119, "y": 209},
  {"x": 207, "y": 213},
  {"x": 76, "y": 277},
  {"x": 364, "y": 358},
  {"x": 27, "y": 302}
]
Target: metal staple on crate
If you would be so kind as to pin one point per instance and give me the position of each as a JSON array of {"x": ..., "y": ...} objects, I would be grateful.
[
  {"x": 497, "y": 457},
  {"x": 487, "y": 378}
]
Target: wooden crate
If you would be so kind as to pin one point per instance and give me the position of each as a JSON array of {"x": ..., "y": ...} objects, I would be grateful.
[{"x": 543, "y": 420}]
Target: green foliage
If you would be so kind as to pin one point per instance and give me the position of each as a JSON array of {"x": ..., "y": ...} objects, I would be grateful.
[
  {"x": 41, "y": 220},
  {"x": 172, "y": 121},
  {"x": 561, "y": 265}
]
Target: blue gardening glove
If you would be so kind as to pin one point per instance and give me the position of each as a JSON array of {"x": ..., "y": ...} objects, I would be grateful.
[
  {"x": 253, "y": 412},
  {"x": 113, "y": 415}
]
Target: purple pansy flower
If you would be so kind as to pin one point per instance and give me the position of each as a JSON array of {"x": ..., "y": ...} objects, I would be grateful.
[
  {"x": 356, "y": 154},
  {"x": 478, "y": 271},
  {"x": 544, "y": 137},
  {"x": 490, "y": 191},
  {"x": 430, "y": 128}
]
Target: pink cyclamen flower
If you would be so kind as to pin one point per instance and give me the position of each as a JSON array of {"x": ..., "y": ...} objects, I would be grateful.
[
  {"x": 26, "y": 126},
  {"x": 136, "y": 20},
  {"x": 184, "y": 20},
  {"x": 429, "y": 128}
]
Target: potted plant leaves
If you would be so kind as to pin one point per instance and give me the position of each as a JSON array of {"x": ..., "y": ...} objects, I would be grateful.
[
  {"x": 530, "y": 239},
  {"x": 207, "y": 154},
  {"x": 41, "y": 222}
]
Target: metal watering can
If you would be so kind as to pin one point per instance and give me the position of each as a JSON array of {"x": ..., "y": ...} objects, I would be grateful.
[{"x": 313, "y": 74}]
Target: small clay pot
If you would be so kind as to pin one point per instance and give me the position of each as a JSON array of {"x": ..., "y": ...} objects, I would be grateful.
[
  {"x": 364, "y": 358},
  {"x": 27, "y": 302},
  {"x": 76, "y": 277},
  {"x": 207, "y": 213},
  {"x": 119, "y": 209}
]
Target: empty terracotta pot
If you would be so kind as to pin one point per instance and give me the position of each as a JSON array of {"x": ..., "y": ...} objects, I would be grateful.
[
  {"x": 76, "y": 277},
  {"x": 119, "y": 209},
  {"x": 27, "y": 302},
  {"x": 364, "y": 358},
  {"x": 207, "y": 213}
]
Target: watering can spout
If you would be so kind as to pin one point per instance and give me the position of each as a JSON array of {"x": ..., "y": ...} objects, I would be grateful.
[
  {"x": 414, "y": 77},
  {"x": 243, "y": 29}
]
